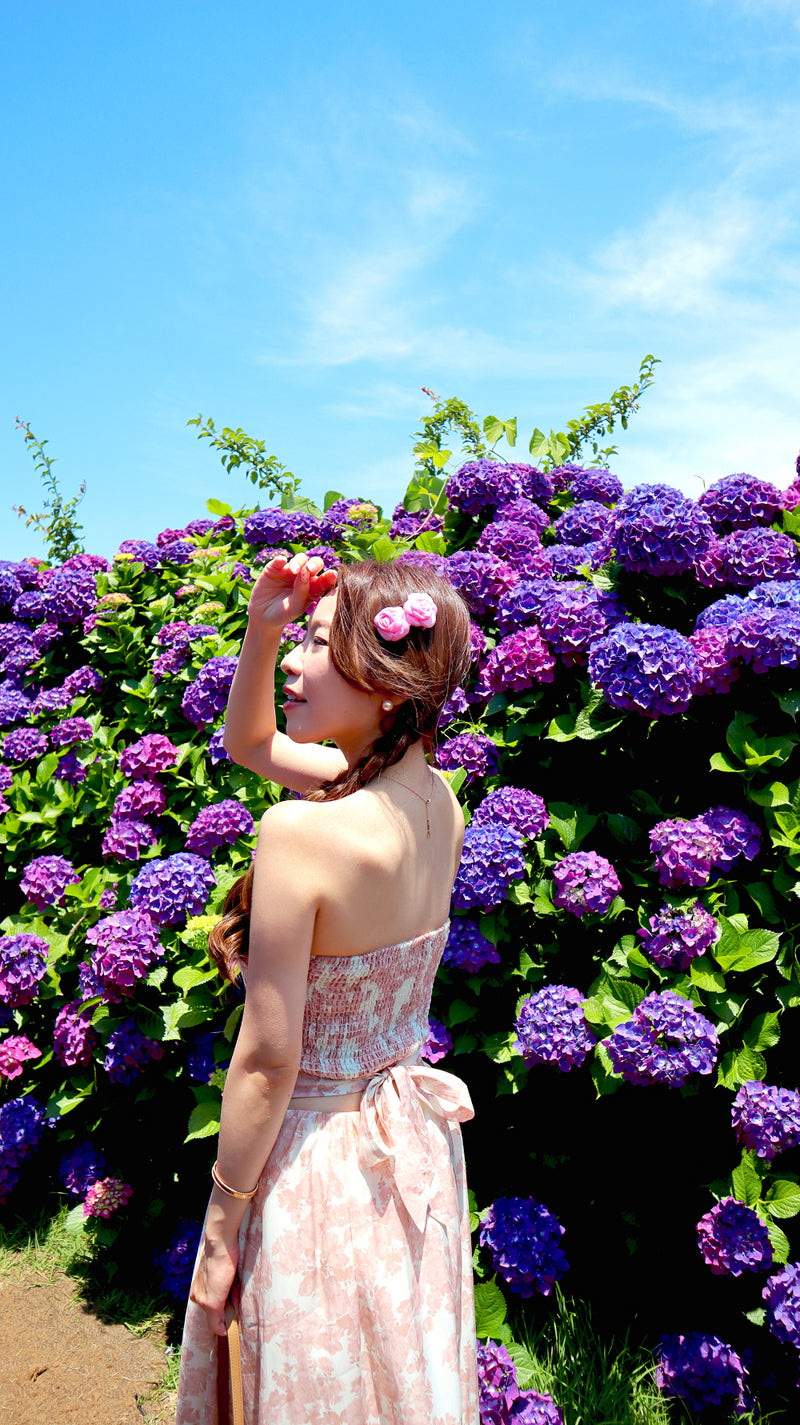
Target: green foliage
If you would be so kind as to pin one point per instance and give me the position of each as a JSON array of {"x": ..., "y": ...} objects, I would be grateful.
[
  {"x": 241, "y": 450},
  {"x": 56, "y": 522},
  {"x": 599, "y": 420}
]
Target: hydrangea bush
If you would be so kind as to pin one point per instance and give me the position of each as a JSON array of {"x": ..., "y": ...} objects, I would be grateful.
[{"x": 620, "y": 985}]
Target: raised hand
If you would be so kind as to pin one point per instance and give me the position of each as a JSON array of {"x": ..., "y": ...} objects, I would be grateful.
[{"x": 285, "y": 587}]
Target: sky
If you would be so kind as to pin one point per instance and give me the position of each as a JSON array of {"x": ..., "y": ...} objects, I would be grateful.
[{"x": 292, "y": 219}]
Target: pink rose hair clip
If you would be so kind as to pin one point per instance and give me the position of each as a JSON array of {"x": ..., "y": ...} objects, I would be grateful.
[{"x": 418, "y": 611}]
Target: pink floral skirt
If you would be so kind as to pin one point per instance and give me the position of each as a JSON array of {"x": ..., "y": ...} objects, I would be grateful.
[{"x": 355, "y": 1266}]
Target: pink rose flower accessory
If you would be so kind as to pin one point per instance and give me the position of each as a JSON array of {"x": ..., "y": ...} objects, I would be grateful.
[{"x": 418, "y": 611}]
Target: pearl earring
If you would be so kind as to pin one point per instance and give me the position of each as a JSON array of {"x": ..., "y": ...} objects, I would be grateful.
[{"x": 387, "y": 706}]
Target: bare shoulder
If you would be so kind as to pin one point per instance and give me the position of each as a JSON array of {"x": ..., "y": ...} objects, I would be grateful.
[
  {"x": 300, "y": 824},
  {"x": 454, "y": 802}
]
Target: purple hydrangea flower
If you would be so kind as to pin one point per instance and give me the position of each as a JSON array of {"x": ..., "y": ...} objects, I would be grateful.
[
  {"x": 276, "y": 526},
  {"x": 551, "y": 1028},
  {"x": 218, "y": 825},
  {"x": 523, "y": 511},
  {"x": 6, "y": 778},
  {"x": 517, "y": 662},
  {"x": 216, "y": 751},
  {"x": 524, "y": 603},
  {"x": 645, "y": 668},
  {"x": 455, "y": 707},
  {"x": 739, "y": 502},
  {"x": 167, "y": 536},
  {"x": 516, "y": 544},
  {"x": 574, "y": 615},
  {"x": 178, "y": 551},
  {"x": 128, "y": 1053},
  {"x": 70, "y": 769},
  {"x": 766, "y": 1119},
  {"x": 486, "y": 484},
  {"x": 173, "y": 888},
  {"x": 108, "y": 897},
  {"x": 126, "y": 950},
  {"x": 51, "y": 700},
  {"x": 522, "y": 1238},
  {"x": 739, "y": 836},
  {"x": 438, "y": 1043},
  {"x": 46, "y": 879},
  {"x": 750, "y": 556},
  {"x": 583, "y": 524},
  {"x": 585, "y": 884},
  {"x": 142, "y": 551},
  {"x": 200, "y": 1063},
  {"x": 24, "y": 744},
  {"x": 350, "y": 512},
  {"x": 69, "y": 595},
  {"x": 733, "y": 1239},
  {"x": 74, "y": 1039},
  {"x": 685, "y": 852},
  {"x": 477, "y": 641},
  {"x": 152, "y": 753},
  {"x": 203, "y": 526},
  {"x": 80, "y": 1168},
  {"x": 660, "y": 535},
  {"x": 407, "y": 524},
  {"x": 15, "y": 1050},
  {"x": 467, "y": 948},
  {"x": 782, "y": 1295},
  {"x": 714, "y": 651},
  {"x": 23, "y": 964},
  {"x": 176, "y": 1264},
  {"x": 724, "y": 612},
  {"x": 11, "y": 634},
  {"x": 141, "y": 798},
  {"x": 664, "y": 1042},
  {"x": 22, "y": 1123},
  {"x": 29, "y": 606},
  {"x": 595, "y": 483},
  {"x": 10, "y": 587},
  {"x": 127, "y": 837},
  {"x": 83, "y": 680},
  {"x": 70, "y": 731},
  {"x": 207, "y": 696},
  {"x": 490, "y": 860},
  {"x": 767, "y": 638},
  {"x": 677, "y": 934},
  {"x": 791, "y": 496},
  {"x": 702, "y": 1370},
  {"x": 567, "y": 559},
  {"x": 15, "y": 706},
  {"x": 500, "y": 1399},
  {"x": 481, "y": 579},
  {"x": 96, "y": 562},
  {"x": 516, "y": 807},
  {"x": 774, "y": 594},
  {"x": 475, "y": 752},
  {"x": 423, "y": 559}
]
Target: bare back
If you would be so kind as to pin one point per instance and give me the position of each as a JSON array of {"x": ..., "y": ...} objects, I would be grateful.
[{"x": 379, "y": 879}]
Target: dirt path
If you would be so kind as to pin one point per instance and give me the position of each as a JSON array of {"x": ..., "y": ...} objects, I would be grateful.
[{"x": 61, "y": 1364}]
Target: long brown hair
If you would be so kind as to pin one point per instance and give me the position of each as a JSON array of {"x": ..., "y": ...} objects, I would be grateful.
[{"x": 422, "y": 670}]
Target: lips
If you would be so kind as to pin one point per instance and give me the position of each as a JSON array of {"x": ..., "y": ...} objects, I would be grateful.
[{"x": 292, "y": 697}]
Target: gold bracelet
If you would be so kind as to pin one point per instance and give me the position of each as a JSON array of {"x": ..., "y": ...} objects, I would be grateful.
[{"x": 231, "y": 1192}]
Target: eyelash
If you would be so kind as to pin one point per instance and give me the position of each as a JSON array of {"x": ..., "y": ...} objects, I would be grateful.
[{"x": 322, "y": 641}]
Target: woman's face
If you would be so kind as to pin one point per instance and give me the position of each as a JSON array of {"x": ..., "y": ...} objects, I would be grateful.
[{"x": 325, "y": 706}]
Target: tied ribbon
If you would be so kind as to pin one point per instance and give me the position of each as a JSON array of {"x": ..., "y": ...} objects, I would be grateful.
[{"x": 392, "y": 1114}]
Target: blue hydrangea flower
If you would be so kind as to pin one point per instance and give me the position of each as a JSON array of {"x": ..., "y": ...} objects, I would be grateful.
[
  {"x": 175, "y": 1264},
  {"x": 702, "y": 1370},
  {"x": 219, "y": 825},
  {"x": 467, "y": 947},
  {"x": 517, "y": 662},
  {"x": 595, "y": 483},
  {"x": 407, "y": 524},
  {"x": 501, "y": 1402},
  {"x": 766, "y": 1119},
  {"x": 575, "y": 615},
  {"x": 551, "y": 1028},
  {"x": 481, "y": 579},
  {"x": 660, "y": 535},
  {"x": 348, "y": 513},
  {"x": 80, "y": 1167},
  {"x": 739, "y": 835},
  {"x": 739, "y": 502},
  {"x": 645, "y": 668},
  {"x": 664, "y": 1042},
  {"x": 275, "y": 526},
  {"x": 774, "y": 594},
  {"x": 583, "y": 524},
  {"x": 524, "y": 603},
  {"x": 585, "y": 884},
  {"x": 23, "y": 965},
  {"x": 45, "y": 880},
  {"x": 128, "y": 1053},
  {"x": 207, "y": 696},
  {"x": 438, "y": 1043},
  {"x": 486, "y": 484},
  {"x": 782, "y": 1295},
  {"x": 675, "y": 935},
  {"x": 170, "y": 890},
  {"x": 723, "y": 612},
  {"x": 733, "y": 1239},
  {"x": 15, "y": 706},
  {"x": 69, "y": 595},
  {"x": 177, "y": 551},
  {"x": 200, "y": 1061},
  {"x": 522, "y": 1237},
  {"x": 750, "y": 556},
  {"x": 491, "y": 859},
  {"x": 141, "y": 552},
  {"x": 475, "y": 752},
  {"x": 767, "y": 638},
  {"x": 216, "y": 751},
  {"x": 22, "y": 1123},
  {"x": 516, "y": 807},
  {"x": 567, "y": 559},
  {"x": 516, "y": 544}
]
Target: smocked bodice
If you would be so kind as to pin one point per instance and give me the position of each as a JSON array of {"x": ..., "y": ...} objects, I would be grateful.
[{"x": 364, "y": 1012}]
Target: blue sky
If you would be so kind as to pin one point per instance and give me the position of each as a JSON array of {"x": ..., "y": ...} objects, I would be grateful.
[{"x": 292, "y": 219}]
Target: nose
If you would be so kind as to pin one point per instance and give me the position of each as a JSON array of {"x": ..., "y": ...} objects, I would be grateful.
[{"x": 292, "y": 662}]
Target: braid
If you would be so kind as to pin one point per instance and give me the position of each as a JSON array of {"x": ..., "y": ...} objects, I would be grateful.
[{"x": 384, "y": 752}]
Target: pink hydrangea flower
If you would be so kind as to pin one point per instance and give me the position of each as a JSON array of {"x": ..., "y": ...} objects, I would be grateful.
[
  {"x": 106, "y": 1196},
  {"x": 13, "y": 1052}
]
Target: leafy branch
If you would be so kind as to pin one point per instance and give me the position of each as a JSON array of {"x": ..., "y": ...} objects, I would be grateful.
[
  {"x": 598, "y": 421},
  {"x": 56, "y": 521},
  {"x": 239, "y": 449}
]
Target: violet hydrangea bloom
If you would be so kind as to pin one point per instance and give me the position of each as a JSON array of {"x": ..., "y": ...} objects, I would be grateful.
[
  {"x": 350, "y": 512},
  {"x": 733, "y": 1239},
  {"x": 171, "y": 889},
  {"x": 455, "y": 707},
  {"x": 51, "y": 700},
  {"x": 407, "y": 524},
  {"x": 275, "y": 526},
  {"x": 568, "y": 559},
  {"x": 702, "y": 1370},
  {"x": 501, "y": 1402},
  {"x": 24, "y": 744},
  {"x": 69, "y": 595},
  {"x": 738, "y": 502},
  {"x": 15, "y": 706},
  {"x": 523, "y": 511},
  {"x": 467, "y": 947},
  {"x": 585, "y": 884},
  {"x": 750, "y": 556},
  {"x": 516, "y": 544},
  {"x": 661, "y": 536},
  {"x": 23, "y": 964},
  {"x": 70, "y": 769},
  {"x": 595, "y": 483},
  {"x": 675, "y": 935},
  {"x": 516, "y": 807},
  {"x": 141, "y": 797},
  {"x": 715, "y": 654},
  {"x": 438, "y": 1043},
  {"x": 517, "y": 662},
  {"x": 583, "y": 524},
  {"x": 481, "y": 579},
  {"x": 216, "y": 751},
  {"x": 524, "y": 603},
  {"x": 74, "y": 1039},
  {"x": 645, "y": 668},
  {"x": 774, "y": 594},
  {"x": 723, "y": 612},
  {"x": 46, "y": 879},
  {"x": 664, "y": 1042},
  {"x": 128, "y": 1053},
  {"x": 782, "y": 1295},
  {"x": 475, "y": 752},
  {"x": 152, "y": 753},
  {"x": 83, "y": 680},
  {"x": 81, "y": 1167},
  {"x": 219, "y": 825},
  {"x": 685, "y": 851},
  {"x": 22, "y": 1123},
  {"x": 490, "y": 860},
  {"x": 767, "y": 638},
  {"x": 105, "y": 1196},
  {"x": 176, "y": 1263},
  {"x": 551, "y": 1028},
  {"x": 141, "y": 551},
  {"x": 486, "y": 484},
  {"x": 178, "y": 551},
  {"x": 15, "y": 1050},
  {"x": 522, "y": 1237},
  {"x": 70, "y": 731},
  {"x": 207, "y": 696},
  {"x": 738, "y": 834},
  {"x": 126, "y": 950},
  {"x": 127, "y": 837},
  {"x": 766, "y": 1119},
  {"x": 574, "y": 615}
]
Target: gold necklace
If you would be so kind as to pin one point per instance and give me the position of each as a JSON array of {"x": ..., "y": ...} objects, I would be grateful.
[{"x": 426, "y": 800}]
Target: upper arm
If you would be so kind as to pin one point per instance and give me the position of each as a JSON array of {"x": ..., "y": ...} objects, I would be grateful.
[
  {"x": 296, "y": 765},
  {"x": 282, "y": 917}
]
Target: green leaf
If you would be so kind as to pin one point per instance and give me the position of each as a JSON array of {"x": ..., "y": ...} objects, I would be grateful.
[
  {"x": 755, "y": 947},
  {"x": 527, "y": 1370},
  {"x": 703, "y": 974},
  {"x": 775, "y": 795},
  {"x": 602, "y": 1072},
  {"x": 216, "y": 507},
  {"x": 572, "y": 824},
  {"x": 383, "y": 549},
  {"x": 490, "y": 1309},
  {"x": 720, "y": 763},
  {"x": 780, "y": 1244},
  {"x": 203, "y": 1121},
  {"x": 757, "y": 1316},
  {"x": 790, "y": 704},
  {"x": 232, "y": 1022},
  {"x": 746, "y": 1181},
  {"x": 190, "y": 975},
  {"x": 783, "y": 1199},
  {"x": 330, "y": 499},
  {"x": 764, "y": 1032},
  {"x": 46, "y": 768},
  {"x": 459, "y": 1012}
]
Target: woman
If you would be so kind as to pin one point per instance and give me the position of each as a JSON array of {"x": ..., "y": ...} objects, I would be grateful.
[{"x": 352, "y": 1249}]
